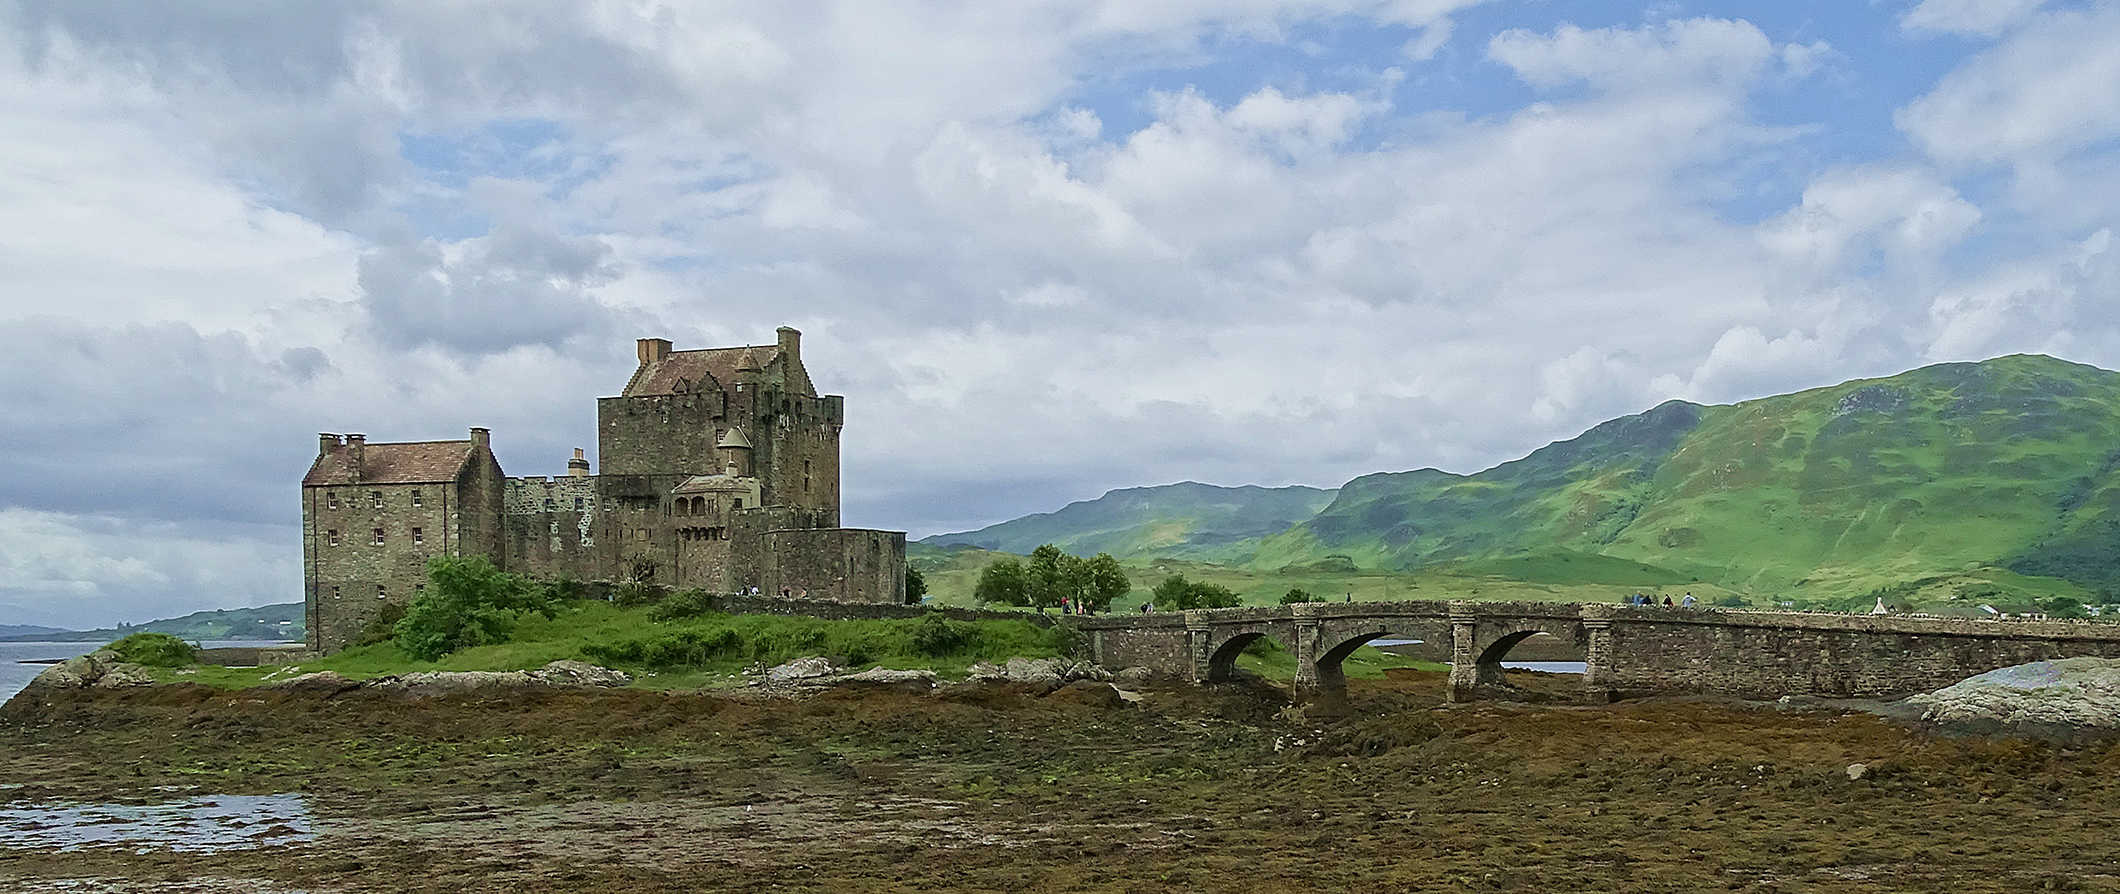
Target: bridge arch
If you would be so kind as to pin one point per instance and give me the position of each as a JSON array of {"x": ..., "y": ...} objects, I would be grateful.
[{"x": 1227, "y": 643}]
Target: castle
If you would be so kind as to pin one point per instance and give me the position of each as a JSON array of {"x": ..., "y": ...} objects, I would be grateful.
[{"x": 720, "y": 471}]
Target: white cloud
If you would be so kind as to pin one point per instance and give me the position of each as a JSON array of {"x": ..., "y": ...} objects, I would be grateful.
[
  {"x": 2044, "y": 92},
  {"x": 1673, "y": 55},
  {"x": 1905, "y": 213},
  {"x": 1984, "y": 18}
]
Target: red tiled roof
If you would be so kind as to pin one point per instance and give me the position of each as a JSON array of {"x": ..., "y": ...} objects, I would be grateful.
[
  {"x": 409, "y": 462},
  {"x": 709, "y": 369}
]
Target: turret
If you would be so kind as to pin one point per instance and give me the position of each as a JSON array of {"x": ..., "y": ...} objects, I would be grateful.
[{"x": 736, "y": 453}]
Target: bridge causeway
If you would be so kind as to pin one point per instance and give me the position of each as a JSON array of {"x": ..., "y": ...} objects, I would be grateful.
[{"x": 1628, "y": 651}]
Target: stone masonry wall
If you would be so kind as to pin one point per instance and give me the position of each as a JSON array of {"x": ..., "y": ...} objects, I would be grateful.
[
  {"x": 350, "y": 582},
  {"x": 659, "y": 435},
  {"x": 549, "y": 527},
  {"x": 836, "y": 564}
]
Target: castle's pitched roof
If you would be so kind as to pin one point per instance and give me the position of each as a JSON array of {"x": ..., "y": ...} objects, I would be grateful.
[
  {"x": 408, "y": 462},
  {"x": 718, "y": 365}
]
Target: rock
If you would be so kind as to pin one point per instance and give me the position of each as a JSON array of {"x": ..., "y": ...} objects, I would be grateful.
[
  {"x": 986, "y": 671},
  {"x": 800, "y": 669},
  {"x": 120, "y": 676},
  {"x": 1090, "y": 693},
  {"x": 2064, "y": 694},
  {"x": 881, "y": 678},
  {"x": 78, "y": 672},
  {"x": 429, "y": 683},
  {"x": 1857, "y": 771},
  {"x": 579, "y": 674},
  {"x": 1040, "y": 671},
  {"x": 319, "y": 683},
  {"x": 1134, "y": 678}
]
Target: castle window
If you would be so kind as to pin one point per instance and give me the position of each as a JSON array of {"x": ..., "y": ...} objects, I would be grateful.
[
  {"x": 805, "y": 476},
  {"x": 640, "y": 533},
  {"x": 375, "y": 499},
  {"x": 415, "y": 498},
  {"x": 379, "y": 594},
  {"x": 334, "y": 591},
  {"x": 699, "y": 505},
  {"x": 333, "y": 535},
  {"x": 416, "y": 538},
  {"x": 419, "y": 588},
  {"x": 577, "y": 502},
  {"x": 684, "y": 506},
  {"x": 331, "y": 499},
  {"x": 379, "y": 537}
]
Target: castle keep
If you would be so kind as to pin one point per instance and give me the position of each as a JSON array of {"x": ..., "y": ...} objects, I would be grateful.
[{"x": 720, "y": 471}]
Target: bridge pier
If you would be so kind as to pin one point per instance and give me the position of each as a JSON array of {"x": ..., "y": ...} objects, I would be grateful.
[
  {"x": 1597, "y": 654},
  {"x": 1464, "y": 654},
  {"x": 1199, "y": 644}
]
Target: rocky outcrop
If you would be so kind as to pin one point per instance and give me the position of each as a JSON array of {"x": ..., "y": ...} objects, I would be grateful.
[
  {"x": 2064, "y": 695},
  {"x": 319, "y": 683},
  {"x": 558, "y": 674},
  {"x": 100, "y": 669},
  {"x": 1048, "y": 672}
]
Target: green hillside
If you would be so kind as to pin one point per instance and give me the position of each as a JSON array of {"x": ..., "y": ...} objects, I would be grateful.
[
  {"x": 1188, "y": 520},
  {"x": 282, "y": 623},
  {"x": 2002, "y": 472}
]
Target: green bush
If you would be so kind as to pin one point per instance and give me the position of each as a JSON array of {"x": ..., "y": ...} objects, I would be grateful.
[
  {"x": 1296, "y": 596},
  {"x": 384, "y": 626},
  {"x": 935, "y": 637},
  {"x": 683, "y": 604},
  {"x": 154, "y": 650},
  {"x": 1176, "y": 594},
  {"x": 470, "y": 603},
  {"x": 915, "y": 585}
]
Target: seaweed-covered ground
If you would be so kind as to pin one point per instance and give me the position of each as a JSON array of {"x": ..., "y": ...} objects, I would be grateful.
[{"x": 1002, "y": 789}]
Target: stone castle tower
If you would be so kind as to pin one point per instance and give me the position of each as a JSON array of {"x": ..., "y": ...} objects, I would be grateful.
[{"x": 720, "y": 471}]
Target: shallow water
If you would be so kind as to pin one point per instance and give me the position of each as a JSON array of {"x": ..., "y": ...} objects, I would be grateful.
[{"x": 202, "y": 824}]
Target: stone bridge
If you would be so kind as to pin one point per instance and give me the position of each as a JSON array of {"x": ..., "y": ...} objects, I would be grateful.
[{"x": 1627, "y": 650}]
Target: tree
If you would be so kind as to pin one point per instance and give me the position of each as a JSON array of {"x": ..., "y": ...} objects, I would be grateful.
[
  {"x": 1177, "y": 594},
  {"x": 915, "y": 585},
  {"x": 1052, "y": 576},
  {"x": 1003, "y": 583},
  {"x": 1103, "y": 581},
  {"x": 1296, "y": 595},
  {"x": 469, "y": 603}
]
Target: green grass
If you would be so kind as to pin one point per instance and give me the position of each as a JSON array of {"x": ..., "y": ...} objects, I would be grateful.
[{"x": 599, "y": 631}]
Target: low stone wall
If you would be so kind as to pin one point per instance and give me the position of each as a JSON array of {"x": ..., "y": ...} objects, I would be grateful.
[
  {"x": 850, "y": 611},
  {"x": 255, "y": 656}
]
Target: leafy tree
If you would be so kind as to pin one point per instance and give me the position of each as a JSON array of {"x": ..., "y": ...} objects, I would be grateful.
[
  {"x": 1176, "y": 593},
  {"x": 1102, "y": 581},
  {"x": 1054, "y": 576},
  {"x": 2063, "y": 607},
  {"x": 1295, "y": 595},
  {"x": 1003, "y": 583},
  {"x": 915, "y": 585},
  {"x": 469, "y": 603}
]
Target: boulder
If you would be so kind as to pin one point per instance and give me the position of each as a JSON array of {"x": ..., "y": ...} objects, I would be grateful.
[
  {"x": 2064, "y": 694},
  {"x": 428, "y": 683},
  {"x": 78, "y": 672},
  {"x": 1134, "y": 678},
  {"x": 319, "y": 683},
  {"x": 1037, "y": 671},
  {"x": 800, "y": 669},
  {"x": 579, "y": 674},
  {"x": 881, "y": 678},
  {"x": 121, "y": 675},
  {"x": 1857, "y": 771}
]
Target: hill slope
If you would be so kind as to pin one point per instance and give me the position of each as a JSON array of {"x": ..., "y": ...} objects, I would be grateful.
[
  {"x": 2012, "y": 462},
  {"x": 281, "y": 622},
  {"x": 1188, "y": 520}
]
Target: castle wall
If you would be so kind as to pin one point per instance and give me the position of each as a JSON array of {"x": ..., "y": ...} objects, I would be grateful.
[
  {"x": 798, "y": 456},
  {"x": 549, "y": 528},
  {"x": 351, "y": 582},
  {"x": 836, "y": 564},
  {"x": 660, "y": 434}
]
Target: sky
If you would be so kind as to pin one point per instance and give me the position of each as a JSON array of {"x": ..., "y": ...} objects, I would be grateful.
[{"x": 1045, "y": 248}]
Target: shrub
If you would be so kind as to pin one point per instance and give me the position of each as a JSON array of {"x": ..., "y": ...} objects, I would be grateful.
[
  {"x": 1297, "y": 595},
  {"x": 154, "y": 650},
  {"x": 471, "y": 603},
  {"x": 383, "y": 627},
  {"x": 915, "y": 585},
  {"x": 1176, "y": 594},
  {"x": 685, "y": 604},
  {"x": 935, "y": 637}
]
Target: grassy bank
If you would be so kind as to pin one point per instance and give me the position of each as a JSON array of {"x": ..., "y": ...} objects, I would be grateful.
[{"x": 705, "y": 650}]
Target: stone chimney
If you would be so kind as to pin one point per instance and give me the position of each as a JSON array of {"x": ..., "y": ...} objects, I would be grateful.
[
  {"x": 327, "y": 442},
  {"x": 356, "y": 450},
  {"x": 481, "y": 438},
  {"x": 578, "y": 467},
  {"x": 790, "y": 344},
  {"x": 651, "y": 350}
]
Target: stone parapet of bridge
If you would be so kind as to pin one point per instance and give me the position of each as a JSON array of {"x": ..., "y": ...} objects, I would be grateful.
[{"x": 1626, "y": 650}]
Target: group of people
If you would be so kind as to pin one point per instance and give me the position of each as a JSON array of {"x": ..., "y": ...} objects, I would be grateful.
[
  {"x": 1647, "y": 599},
  {"x": 1071, "y": 606}
]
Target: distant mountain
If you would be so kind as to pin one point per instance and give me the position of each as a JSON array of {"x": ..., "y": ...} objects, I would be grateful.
[
  {"x": 12, "y": 630},
  {"x": 2010, "y": 463},
  {"x": 1188, "y": 520},
  {"x": 282, "y": 622}
]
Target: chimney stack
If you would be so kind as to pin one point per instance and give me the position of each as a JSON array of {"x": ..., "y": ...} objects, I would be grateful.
[
  {"x": 651, "y": 350},
  {"x": 326, "y": 442},
  {"x": 481, "y": 438},
  {"x": 356, "y": 448},
  {"x": 578, "y": 466},
  {"x": 791, "y": 344}
]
